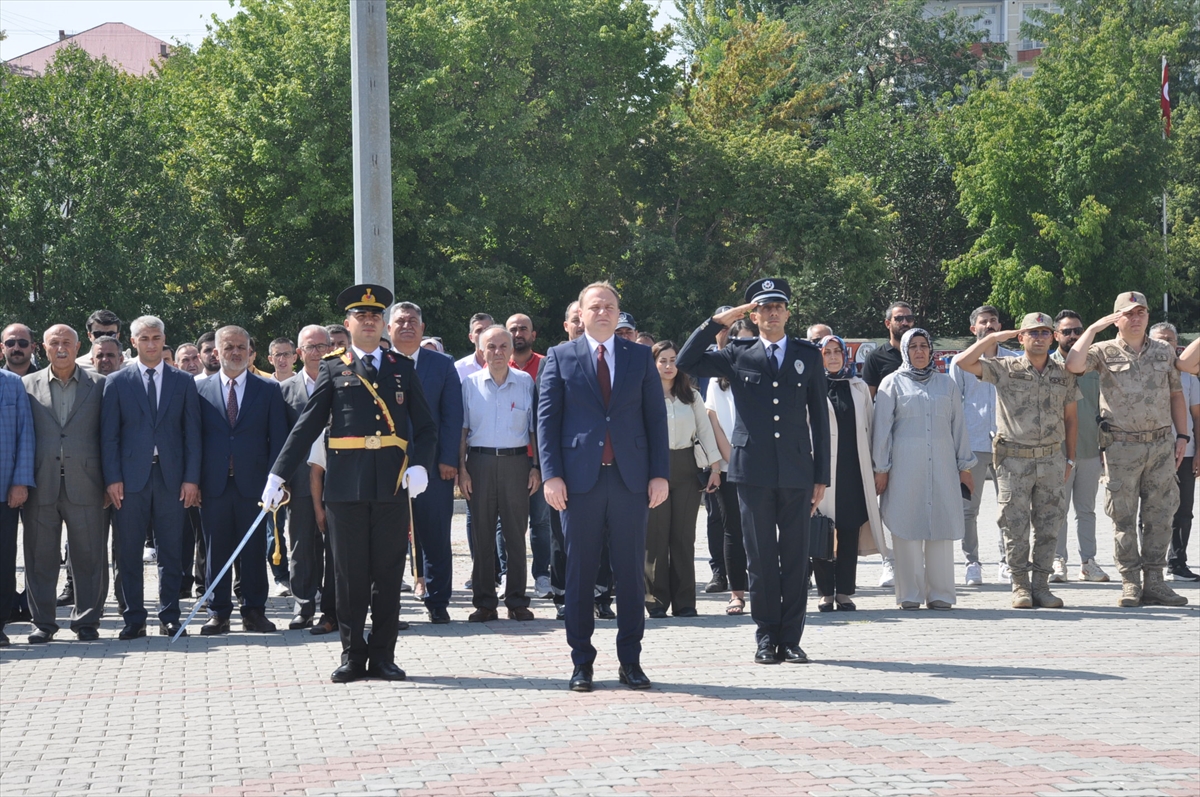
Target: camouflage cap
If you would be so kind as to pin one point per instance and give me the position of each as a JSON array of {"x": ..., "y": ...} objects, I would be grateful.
[
  {"x": 1035, "y": 320},
  {"x": 1129, "y": 300}
]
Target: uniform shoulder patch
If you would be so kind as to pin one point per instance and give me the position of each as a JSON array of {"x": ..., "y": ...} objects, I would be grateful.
[
  {"x": 338, "y": 352},
  {"x": 807, "y": 343}
]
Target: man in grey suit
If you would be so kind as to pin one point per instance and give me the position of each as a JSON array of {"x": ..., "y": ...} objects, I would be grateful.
[
  {"x": 65, "y": 401},
  {"x": 150, "y": 451},
  {"x": 306, "y": 546}
]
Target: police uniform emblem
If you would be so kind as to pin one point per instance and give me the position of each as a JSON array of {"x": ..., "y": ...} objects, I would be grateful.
[
  {"x": 768, "y": 284},
  {"x": 799, "y": 368}
]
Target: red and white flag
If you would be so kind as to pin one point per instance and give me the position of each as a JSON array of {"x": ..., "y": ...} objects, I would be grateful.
[{"x": 1165, "y": 98}]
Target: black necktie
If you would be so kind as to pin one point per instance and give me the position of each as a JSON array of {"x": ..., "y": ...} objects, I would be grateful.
[
  {"x": 369, "y": 359},
  {"x": 152, "y": 395},
  {"x": 771, "y": 351}
]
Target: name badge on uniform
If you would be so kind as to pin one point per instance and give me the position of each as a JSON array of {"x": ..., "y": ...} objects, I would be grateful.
[{"x": 799, "y": 367}]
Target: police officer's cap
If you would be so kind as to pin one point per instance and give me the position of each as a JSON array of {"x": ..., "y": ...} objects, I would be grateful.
[
  {"x": 771, "y": 289},
  {"x": 625, "y": 321},
  {"x": 365, "y": 298}
]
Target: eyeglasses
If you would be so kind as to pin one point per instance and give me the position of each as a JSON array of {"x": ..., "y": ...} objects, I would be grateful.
[
  {"x": 16, "y": 343},
  {"x": 1071, "y": 332},
  {"x": 904, "y": 319},
  {"x": 1038, "y": 333},
  {"x": 317, "y": 347}
]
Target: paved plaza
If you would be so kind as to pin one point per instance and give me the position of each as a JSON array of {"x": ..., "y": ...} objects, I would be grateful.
[{"x": 982, "y": 700}]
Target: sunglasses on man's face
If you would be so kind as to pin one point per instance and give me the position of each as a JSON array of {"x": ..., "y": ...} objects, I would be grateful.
[
  {"x": 904, "y": 319},
  {"x": 13, "y": 343},
  {"x": 1071, "y": 332}
]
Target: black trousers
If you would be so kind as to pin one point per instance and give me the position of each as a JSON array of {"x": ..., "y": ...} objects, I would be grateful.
[
  {"x": 8, "y": 558},
  {"x": 837, "y": 577},
  {"x": 194, "y": 557},
  {"x": 715, "y": 527},
  {"x": 329, "y": 582},
  {"x": 226, "y": 520},
  {"x": 433, "y": 514},
  {"x": 775, "y": 522},
  {"x": 723, "y": 506},
  {"x": 306, "y": 554},
  {"x": 1181, "y": 526},
  {"x": 369, "y": 540},
  {"x": 558, "y": 566},
  {"x": 156, "y": 505}
]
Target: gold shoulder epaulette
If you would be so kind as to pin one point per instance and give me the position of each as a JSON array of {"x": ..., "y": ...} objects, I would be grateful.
[{"x": 338, "y": 352}]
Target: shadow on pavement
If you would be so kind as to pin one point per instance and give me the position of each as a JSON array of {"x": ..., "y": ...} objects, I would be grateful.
[{"x": 970, "y": 672}]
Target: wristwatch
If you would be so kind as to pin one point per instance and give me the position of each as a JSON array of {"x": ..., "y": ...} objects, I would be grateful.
[
  {"x": 1071, "y": 463},
  {"x": 1185, "y": 438}
]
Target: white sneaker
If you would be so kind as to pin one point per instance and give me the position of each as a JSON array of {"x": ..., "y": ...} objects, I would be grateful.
[
  {"x": 887, "y": 576},
  {"x": 1003, "y": 574},
  {"x": 1090, "y": 571},
  {"x": 149, "y": 554},
  {"x": 1058, "y": 571},
  {"x": 974, "y": 574},
  {"x": 280, "y": 590},
  {"x": 541, "y": 587}
]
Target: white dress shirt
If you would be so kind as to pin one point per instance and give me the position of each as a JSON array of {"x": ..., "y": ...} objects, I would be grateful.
[
  {"x": 239, "y": 388},
  {"x": 610, "y": 355},
  {"x": 158, "y": 377},
  {"x": 779, "y": 353},
  {"x": 310, "y": 384}
]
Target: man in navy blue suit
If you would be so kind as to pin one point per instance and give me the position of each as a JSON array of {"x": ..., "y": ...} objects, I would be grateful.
[
  {"x": 602, "y": 436},
  {"x": 433, "y": 510},
  {"x": 244, "y": 421},
  {"x": 780, "y": 459},
  {"x": 150, "y": 454}
]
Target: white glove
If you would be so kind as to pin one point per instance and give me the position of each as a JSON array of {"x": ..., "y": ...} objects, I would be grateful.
[
  {"x": 273, "y": 493},
  {"x": 415, "y": 481}
]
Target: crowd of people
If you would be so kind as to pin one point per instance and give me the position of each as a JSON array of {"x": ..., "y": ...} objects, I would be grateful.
[{"x": 609, "y": 444}]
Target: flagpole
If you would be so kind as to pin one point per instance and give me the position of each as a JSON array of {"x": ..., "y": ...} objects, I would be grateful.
[{"x": 1166, "y": 263}]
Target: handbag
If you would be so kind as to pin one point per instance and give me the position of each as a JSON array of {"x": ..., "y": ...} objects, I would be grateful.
[
  {"x": 820, "y": 537},
  {"x": 701, "y": 458}
]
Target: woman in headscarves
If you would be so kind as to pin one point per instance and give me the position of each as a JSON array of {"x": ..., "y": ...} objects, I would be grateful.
[
  {"x": 922, "y": 456},
  {"x": 850, "y": 499}
]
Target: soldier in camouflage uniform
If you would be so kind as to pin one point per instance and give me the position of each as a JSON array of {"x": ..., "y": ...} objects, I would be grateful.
[
  {"x": 1141, "y": 399},
  {"x": 1035, "y": 421}
]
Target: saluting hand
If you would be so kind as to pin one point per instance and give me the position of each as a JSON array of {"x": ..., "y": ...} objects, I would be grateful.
[{"x": 729, "y": 316}]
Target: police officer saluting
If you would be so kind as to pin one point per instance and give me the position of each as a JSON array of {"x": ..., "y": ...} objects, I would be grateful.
[
  {"x": 1035, "y": 416},
  {"x": 780, "y": 459},
  {"x": 368, "y": 396}
]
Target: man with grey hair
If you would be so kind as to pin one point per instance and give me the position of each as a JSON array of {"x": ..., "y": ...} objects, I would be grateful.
[
  {"x": 474, "y": 361},
  {"x": 243, "y": 419},
  {"x": 150, "y": 452},
  {"x": 818, "y": 331},
  {"x": 1189, "y": 467},
  {"x": 65, "y": 401},
  {"x": 306, "y": 545}
]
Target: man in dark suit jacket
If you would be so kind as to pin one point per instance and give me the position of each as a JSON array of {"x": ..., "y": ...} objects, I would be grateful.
[
  {"x": 780, "y": 455},
  {"x": 150, "y": 450},
  {"x": 433, "y": 510},
  {"x": 65, "y": 400},
  {"x": 602, "y": 436},
  {"x": 244, "y": 421},
  {"x": 306, "y": 544},
  {"x": 368, "y": 397}
]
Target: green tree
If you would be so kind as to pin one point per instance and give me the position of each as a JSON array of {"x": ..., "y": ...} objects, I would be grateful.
[
  {"x": 89, "y": 216},
  {"x": 1062, "y": 173}
]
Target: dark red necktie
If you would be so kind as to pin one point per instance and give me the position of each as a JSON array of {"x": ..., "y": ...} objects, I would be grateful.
[{"x": 608, "y": 457}]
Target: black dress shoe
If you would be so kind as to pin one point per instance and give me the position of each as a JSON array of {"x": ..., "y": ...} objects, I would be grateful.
[
  {"x": 67, "y": 596},
  {"x": 581, "y": 679},
  {"x": 686, "y": 613},
  {"x": 300, "y": 621},
  {"x": 40, "y": 636},
  {"x": 254, "y": 620},
  {"x": 4, "y": 641},
  {"x": 214, "y": 626},
  {"x": 402, "y": 625},
  {"x": 632, "y": 676},
  {"x": 794, "y": 654},
  {"x": 169, "y": 629},
  {"x": 560, "y": 611},
  {"x": 605, "y": 612},
  {"x": 657, "y": 614},
  {"x": 347, "y": 673},
  {"x": 438, "y": 615},
  {"x": 131, "y": 631},
  {"x": 323, "y": 626},
  {"x": 483, "y": 616},
  {"x": 386, "y": 672},
  {"x": 717, "y": 584},
  {"x": 766, "y": 654},
  {"x": 87, "y": 634}
]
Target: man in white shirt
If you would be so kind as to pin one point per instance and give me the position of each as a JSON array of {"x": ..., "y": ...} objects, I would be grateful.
[
  {"x": 473, "y": 362},
  {"x": 1189, "y": 468}
]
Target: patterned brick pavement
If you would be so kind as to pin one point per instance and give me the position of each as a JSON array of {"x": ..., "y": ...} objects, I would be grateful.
[{"x": 983, "y": 700}]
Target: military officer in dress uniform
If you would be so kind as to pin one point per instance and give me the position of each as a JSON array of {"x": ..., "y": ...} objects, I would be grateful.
[
  {"x": 780, "y": 459},
  {"x": 368, "y": 395}
]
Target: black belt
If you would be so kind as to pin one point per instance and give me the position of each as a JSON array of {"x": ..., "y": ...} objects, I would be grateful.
[{"x": 498, "y": 452}]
